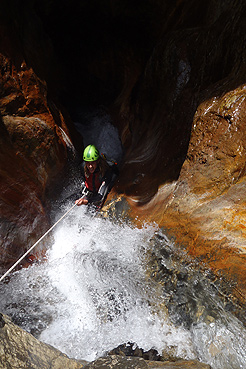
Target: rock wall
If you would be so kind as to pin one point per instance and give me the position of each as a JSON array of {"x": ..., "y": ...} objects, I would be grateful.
[
  {"x": 34, "y": 138},
  {"x": 184, "y": 133},
  {"x": 172, "y": 76}
]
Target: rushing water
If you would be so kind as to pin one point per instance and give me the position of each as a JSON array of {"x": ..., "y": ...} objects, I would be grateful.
[{"x": 91, "y": 294}]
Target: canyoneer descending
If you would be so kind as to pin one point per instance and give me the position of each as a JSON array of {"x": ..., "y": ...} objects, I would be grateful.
[{"x": 98, "y": 177}]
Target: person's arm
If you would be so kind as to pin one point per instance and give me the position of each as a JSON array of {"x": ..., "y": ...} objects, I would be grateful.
[
  {"x": 92, "y": 199},
  {"x": 81, "y": 201},
  {"x": 98, "y": 197}
]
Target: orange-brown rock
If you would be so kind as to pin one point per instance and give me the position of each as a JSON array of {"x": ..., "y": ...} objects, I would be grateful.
[
  {"x": 204, "y": 210},
  {"x": 183, "y": 127},
  {"x": 33, "y": 140}
]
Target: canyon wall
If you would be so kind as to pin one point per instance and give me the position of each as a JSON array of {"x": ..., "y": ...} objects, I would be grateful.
[
  {"x": 34, "y": 136},
  {"x": 184, "y": 134},
  {"x": 172, "y": 77}
]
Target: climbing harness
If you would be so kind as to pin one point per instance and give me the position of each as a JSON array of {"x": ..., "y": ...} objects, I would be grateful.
[{"x": 31, "y": 248}]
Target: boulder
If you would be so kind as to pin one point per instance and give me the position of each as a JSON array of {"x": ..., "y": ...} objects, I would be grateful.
[{"x": 19, "y": 349}]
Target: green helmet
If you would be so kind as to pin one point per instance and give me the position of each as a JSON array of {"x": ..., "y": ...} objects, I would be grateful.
[{"x": 90, "y": 153}]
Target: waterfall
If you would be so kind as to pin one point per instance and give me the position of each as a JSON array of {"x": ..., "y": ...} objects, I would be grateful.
[{"x": 91, "y": 293}]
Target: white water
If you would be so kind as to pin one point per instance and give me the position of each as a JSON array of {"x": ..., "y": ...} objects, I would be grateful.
[
  {"x": 223, "y": 344},
  {"x": 91, "y": 294}
]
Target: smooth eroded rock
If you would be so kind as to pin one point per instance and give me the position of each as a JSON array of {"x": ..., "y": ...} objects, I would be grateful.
[{"x": 19, "y": 349}]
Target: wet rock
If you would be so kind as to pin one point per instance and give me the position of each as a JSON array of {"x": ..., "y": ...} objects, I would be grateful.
[
  {"x": 126, "y": 362},
  {"x": 34, "y": 138},
  {"x": 119, "y": 362},
  {"x": 194, "y": 172},
  {"x": 152, "y": 358},
  {"x": 2, "y": 322},
  {"x": 181, "y": 364},
  {"x": 191, "y": 295},
  {"x": 20, "y": 349},
  {"x": 29, "y": 155},
  {"x": 130, "y": 349}
]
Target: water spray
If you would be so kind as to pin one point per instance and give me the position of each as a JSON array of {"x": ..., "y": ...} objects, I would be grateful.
[{"x": 35, "y": 244}]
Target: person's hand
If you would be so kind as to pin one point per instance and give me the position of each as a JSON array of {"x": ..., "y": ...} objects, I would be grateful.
[{"x": 81, "y": 201}]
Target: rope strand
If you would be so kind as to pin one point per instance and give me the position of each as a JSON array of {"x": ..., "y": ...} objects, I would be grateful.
[{"x": 31, "y": 248}]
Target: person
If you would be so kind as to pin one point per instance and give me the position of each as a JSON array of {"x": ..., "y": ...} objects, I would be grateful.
[{"x": 98, "y": 178}]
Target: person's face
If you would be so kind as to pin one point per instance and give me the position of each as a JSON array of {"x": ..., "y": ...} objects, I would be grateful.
[{"x": 91, "y": 166}]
